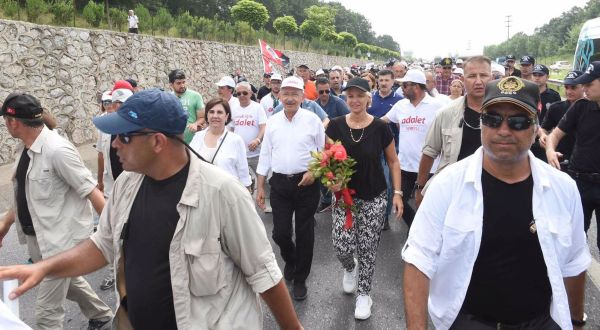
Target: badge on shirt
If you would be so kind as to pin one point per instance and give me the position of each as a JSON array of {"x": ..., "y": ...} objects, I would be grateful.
[{"x": 532, "y": 227}]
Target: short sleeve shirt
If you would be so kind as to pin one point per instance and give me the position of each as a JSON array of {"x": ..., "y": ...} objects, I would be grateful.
[
  {"x": 582, "y": 121},
  {"x": 191, "y": 101},
  {"x": 247, "y": 121}
]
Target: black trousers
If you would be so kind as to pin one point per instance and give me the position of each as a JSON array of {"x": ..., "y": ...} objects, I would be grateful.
[
  {"x": 408, "y": 184},
  {"x": 287, "y": 200},
  {"x": 590, "y": 202},
  {"x": 471, "y": 322}
]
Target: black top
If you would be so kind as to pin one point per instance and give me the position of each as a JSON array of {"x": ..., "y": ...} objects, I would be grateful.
[
  {"x": 148, "y": 234},
  {"x": 368, "y": 180},
  {"x": 554, "y": 114},
  {"x": 548, "y": 97},
  {"x": 471, "y": 137},
  {"x": 21, "y": 176},
  {"x": 582, "y": 121},
  {"x": 115, "y": 165},
  {"x": 516, "y": 73},
  {"x": 264, "y": 90},
  {"x": 509, "y": 282}
]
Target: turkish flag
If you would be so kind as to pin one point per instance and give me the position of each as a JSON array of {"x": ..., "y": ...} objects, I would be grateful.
[{"x": 272, "y": 55}]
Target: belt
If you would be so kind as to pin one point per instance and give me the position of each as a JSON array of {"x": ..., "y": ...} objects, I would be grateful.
[
  {"x": 530, "y": 324},
  {"x": 289, "y": 176},
  {"x": 28, "y": 230},
  {"x": 591, "y": 177}
]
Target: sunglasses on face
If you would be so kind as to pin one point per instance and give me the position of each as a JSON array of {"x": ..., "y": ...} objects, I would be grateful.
[
  {"x": 125, "y": 138},
  {"x": 326, "y": 91},
  {"x": 106, "y": 102},
  {"x": 447, "y": 68},
  {"x": 407, "y": 84},
  {"x": 243, "y": 93},
  {"x": 517, "y": 123}
]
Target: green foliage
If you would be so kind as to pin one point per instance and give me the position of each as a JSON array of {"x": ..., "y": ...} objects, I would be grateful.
[
  {"x": 35, "y": 9},
  {"x": 62, "y": 10},
  {"x": 10, "y": 8},
  {"x": 118, "y": 18},
  {"x": 348, "y": 39},
  {"x": 163, "y": 20},
  {"x": 93, "y": 13},
  {"x": 310, "y": 29},
  {"x": 186, "y": 25},
  {"x": 285, "y": 25},
  {"x": 144, "y": 19},
  {"x": 331, "y": 36},
  {"x": 251, "y": 12}
]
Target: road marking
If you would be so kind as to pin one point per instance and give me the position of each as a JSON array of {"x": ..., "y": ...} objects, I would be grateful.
[{"x": 594, "y": 272}]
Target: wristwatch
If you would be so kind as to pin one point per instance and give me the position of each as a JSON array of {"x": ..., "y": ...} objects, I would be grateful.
[
  {"x": 580, "y": 323},
  {"x": 399, "y": 192},
  {"x": 419, "y": 187}
]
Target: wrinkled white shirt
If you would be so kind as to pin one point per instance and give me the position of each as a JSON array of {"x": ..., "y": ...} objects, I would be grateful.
[{"x": 445, "y": 236}]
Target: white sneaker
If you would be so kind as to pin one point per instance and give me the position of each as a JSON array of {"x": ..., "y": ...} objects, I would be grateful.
[
  {"x": 363, "y": 307},
  {"x": 349, "y": 282}
]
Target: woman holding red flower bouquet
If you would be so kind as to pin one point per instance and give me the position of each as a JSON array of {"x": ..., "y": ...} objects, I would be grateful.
[{"x": 364, "y": 138}]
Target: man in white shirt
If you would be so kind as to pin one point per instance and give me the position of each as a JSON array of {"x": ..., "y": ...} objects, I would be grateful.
[
  {"x": 413, "y": 115},
  {"x": 133, "y": 22},
  {"x": 290, "y": 136},
  {"x": 226, "y": 86},
  {"x": 271, "y": 100},
  {"x": 249, "y": 120},
  {"x": 498, "y": 241}
]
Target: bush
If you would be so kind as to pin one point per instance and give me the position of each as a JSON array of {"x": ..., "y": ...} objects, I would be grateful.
[
  {"x": 118, "y": 17},
  {"x": 62, "y": 10},
  {"x": 10, "y": 8},
  {"x": 35, "y": 9},
  {"x": 93, "y": 13},
  {"x": 144, "y": 18},
  {"x": 186, "y": 25},
  {"x": 163, "y": 20}
]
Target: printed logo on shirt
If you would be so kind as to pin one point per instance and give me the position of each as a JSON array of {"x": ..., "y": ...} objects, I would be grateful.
[
  {"x": 245, "y": 120},
  {"x": 413, "y": 120}
]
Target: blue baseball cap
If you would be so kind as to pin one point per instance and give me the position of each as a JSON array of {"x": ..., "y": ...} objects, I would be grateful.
[{"x": 151, "y": 108}]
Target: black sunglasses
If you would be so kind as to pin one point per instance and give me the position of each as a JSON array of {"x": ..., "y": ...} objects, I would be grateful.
[
  {"x": 517, "y": 123},
  {"x": 447, "y": 67},
  {"x": 326, "y": 91},
  {"x": 243, "y": 93},
  {"x": 407, "y": 84},
  {"x": 125, "y": 138},
  {"x": 106, "y": 102}
]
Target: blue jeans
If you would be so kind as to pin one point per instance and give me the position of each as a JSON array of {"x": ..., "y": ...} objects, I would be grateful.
[{"x": 390, "y": 186}]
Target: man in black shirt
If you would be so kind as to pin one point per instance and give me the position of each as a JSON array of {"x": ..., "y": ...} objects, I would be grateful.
[
  {"x": 582, "y": 121},
  {"x": 547, "y": 97},
  {"x": 510, "y": 67},
  {"x": 264, "y": 89},
  {"x": 484, "y": 246},
  {"x": 556, "y": 111}
]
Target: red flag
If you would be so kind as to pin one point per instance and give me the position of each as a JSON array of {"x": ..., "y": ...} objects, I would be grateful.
[{"x": 272, "y": 55}]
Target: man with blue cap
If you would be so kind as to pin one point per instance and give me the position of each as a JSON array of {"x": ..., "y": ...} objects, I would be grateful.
[{"x": 189, "y": 249}]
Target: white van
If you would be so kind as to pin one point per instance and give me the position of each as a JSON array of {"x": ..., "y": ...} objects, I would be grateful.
[{"x": 588, "y": 45}]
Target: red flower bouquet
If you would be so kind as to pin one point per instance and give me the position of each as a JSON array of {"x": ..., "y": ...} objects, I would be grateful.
[{"x": 333, "y": 166}]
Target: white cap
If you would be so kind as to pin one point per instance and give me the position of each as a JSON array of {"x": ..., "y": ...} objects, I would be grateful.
[
  {"x": 293, "y": 82},
  {"x": 459, "y": 61},
  {"x": 121, "y": 95},
  {"x": 226, "y": 81},
  {"x": 459, "y": 71},
  {"x": 276, "y": 76},
  {"x": 337, "y": 67},
  {"x": 414, "y": 76},
  {"x": 106, "y": 96},
  {"x": 319, "y": 72},
  {"x": 499, "y": 68}
]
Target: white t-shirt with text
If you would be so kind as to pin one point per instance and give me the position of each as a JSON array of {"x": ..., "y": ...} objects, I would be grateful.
[{"x": 246, "y": 123}]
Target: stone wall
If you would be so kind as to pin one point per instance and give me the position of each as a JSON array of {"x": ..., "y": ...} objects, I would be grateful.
[{"x": 67, "y": 68}]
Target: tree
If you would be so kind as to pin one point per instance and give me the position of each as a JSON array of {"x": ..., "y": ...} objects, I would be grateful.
[
  {"x": 62, "y": 10},
  {"x": 144, "y": 18},
  {"x": 10, "y": 8},
  {"x": 319, "y": 20},
  {"x": 118, "y": 18},
  {"x": 35, "y": 9},
  {"x": 285, "y": 25},
  {"x": 310, "y": 29},
  {"x": 163, "y": 20},
  {"x": 355, "y": 23},
  {"x": 93, "y": 12},
  {"x": 186, "y": 24},
  {"x": 388, "y": 42},
  {"x": 251, "y": 12},
  {"x": 348, "y": 39}
]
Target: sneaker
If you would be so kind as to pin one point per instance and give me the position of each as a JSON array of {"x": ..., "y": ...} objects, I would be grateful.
[
  {"x": 323, "y": 207},
  {"x": 97, "y": 324},
  {"x": 363, "y": 307},
  {"x": 108, "y": 283},
  {"x": 299, "y": 292},
  {"x": 288, "y": 272},
  {"x": 349, "y": 282}
]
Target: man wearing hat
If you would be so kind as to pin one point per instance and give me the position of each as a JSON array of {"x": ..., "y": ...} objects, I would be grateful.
[
  {"x": 225, "y": 89},
  {"x": 459, "y": 63},
  {"x": 191, "y": 101},
  {"x": 547, "y": 97},
  {"x": 266, "y": 88},
  {"x": 413, "y": 115},
  {"x": 510, "y": 67},
  {"x": 310, "y": 89},
  {"x": 289, "y": 138},
  {"x": 443, "y": 80},
  {"x": 189, "y": 249},
  {"x": 53, "y": 191},
  {"x": 581, "y": 121},
  {"x": 270, "y": 101},
  {"x": 556, "y": 111},
  {"x": 527, "y": 62},
  {"x": 498, "y": 241}
]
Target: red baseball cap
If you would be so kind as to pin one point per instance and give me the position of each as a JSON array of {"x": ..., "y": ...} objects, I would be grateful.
[{"x": 122, "y": 84}]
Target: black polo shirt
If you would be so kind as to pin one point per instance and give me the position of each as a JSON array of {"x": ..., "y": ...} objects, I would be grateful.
[
  {"x": 582, "y": 120},
  {"x": 547, "y": 97},
  {"x": 555, "y": 113}
]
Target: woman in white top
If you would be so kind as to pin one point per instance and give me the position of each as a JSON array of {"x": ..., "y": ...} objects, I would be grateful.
[{"x": 219, "y": 146}]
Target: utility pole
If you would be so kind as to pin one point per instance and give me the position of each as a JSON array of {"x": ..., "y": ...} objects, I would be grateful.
[{"x": 508, "y": 26}]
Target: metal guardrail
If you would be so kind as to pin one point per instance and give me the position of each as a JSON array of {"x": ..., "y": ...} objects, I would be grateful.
[{"x": 556, "y": 82}]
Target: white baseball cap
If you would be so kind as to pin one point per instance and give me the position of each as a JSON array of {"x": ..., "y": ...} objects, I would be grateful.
[
  {"x": 276, "y": 76},
  {"x": 414, "y": 76},
  {"x": 293, "y": 82},
  {"x": 459, "y": 61},
  {"x": 319, "y": 72},
  {"x": 106, "y": 96},
  {"x": 338, "y": 68},
  {"x": 226, "y": 81},
  {"x": 121, "y": 95},
  {"x": 459, "y": 71}
]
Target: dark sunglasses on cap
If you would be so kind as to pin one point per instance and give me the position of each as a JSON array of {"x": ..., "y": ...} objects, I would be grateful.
[
  {"x": 125, "y": 138},
  {"x": 517, "y": 123},
  {"x": 326, "y": 91}
]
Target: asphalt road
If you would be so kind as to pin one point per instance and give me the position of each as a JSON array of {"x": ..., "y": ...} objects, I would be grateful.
[{"x": 326, "y": 307}]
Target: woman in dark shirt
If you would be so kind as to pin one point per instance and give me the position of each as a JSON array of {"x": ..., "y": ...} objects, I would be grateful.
[{"x": 365, "y": 138}]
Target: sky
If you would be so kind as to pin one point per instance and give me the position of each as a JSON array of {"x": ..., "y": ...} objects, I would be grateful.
[{"x": 430, "y": 28}]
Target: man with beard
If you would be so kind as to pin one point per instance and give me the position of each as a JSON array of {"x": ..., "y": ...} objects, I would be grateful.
[
  {"x": 190, "y": 100},
  {"x": 510, "y": 67}
]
